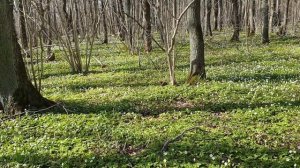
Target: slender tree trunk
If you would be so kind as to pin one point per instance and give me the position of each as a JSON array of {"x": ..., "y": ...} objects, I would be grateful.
[
  {"x": 216, "y": 14},
  {"x": 147, "y": 26},
  {"x": 197, "y": 64},
  {"x": 159, "y": 22},
  {"x": 23, "y": 33},
  {"x": 127, "y": 10},
  {"x": 50, "y": 54},
  {"x": 67, "y": 16},
  {"x": 265, "y": 33},
  {"x": 236, "y": 21},
  {"x": 247, "y": 18},
  {"x": 272, "y": 21},
  {"x": 278, "y": 13},
  {"x": 105, "y": 40},
  {"x": 16, "y": 91},
  {"x": 119, "y": 9},
  {"x": 283, "y": 28},
  {"x": 221, "y": 12},
  {"x": 208, "y": 16},
  {"x": 252, "y": 18}
]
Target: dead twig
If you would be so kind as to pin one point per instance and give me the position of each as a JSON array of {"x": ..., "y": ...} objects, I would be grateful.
[
  {"x": 178, "y": 137},
  {"x": 31, "y": 112}
]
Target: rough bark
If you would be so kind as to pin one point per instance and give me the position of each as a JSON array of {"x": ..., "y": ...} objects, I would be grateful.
[
  {"x": 265, "y": 32},
  {"x": 197, "y": 64},
  {"x": 147, "y": 26},
  {"x": 16, "y": 91},
  {"x": 236, "y": 21}
]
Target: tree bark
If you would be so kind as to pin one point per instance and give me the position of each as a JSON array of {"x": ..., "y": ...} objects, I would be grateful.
[
  {"x": 265, "y": 33},
  {"x": 208, "y": 15},
  {"x": 16, "y": 91},
  {"x": 105, "y": 40},
  {"x": 23, "y": 33},
  {"x": 147, "y": 26},
  {"x": 283, "y": 27},
  {"x": 252, "y": 18},
  {"x": 197, "y": 63},
  {"x": 216, "y": 14},
  {"x": 273, "y": 20},
  {"x": 236, "y": 21},
  {"x": 127, "y": 10},
  {"x": 221, "y": 17}
]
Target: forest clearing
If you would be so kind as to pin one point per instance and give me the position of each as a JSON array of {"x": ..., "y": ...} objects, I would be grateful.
[{"x": 81, "y": 101}]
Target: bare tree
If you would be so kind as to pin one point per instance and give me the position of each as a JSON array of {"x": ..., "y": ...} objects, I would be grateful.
[{"x": 16, "y": 91}]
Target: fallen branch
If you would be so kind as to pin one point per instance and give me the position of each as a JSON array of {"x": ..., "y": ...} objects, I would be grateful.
[
  {"x": 29, "y": 112},
  {"x": 178, "y": 137}
]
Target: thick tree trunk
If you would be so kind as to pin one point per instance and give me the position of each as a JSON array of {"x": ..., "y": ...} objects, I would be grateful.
[
  {"x": 147, "y": 26},
  {"x": 265, "y": 33},
  {"x": 16, "y": 91},
  {"x": 236, "y": 21},
  {"x": 197, "y": 64},
  {"x": 208, "y": 16},
  {"x": 216, "y": 14}
]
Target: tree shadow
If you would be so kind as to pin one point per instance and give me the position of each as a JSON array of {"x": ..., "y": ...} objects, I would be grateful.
[
  {"x": 156, "y": 107},
  {"x": 194, "y": 148},
  {"x": 275, "y": 78}
]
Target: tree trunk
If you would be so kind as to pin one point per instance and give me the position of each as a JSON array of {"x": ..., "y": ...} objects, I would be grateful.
[
  {"x": 197, "y": 64},
  {"x": 278, "y": 13},
  {"x": 273, "y": 20},
  {"x": 147, "y": 26},
  {"x": 236, "y": 21},
  {"x": 283, "y": 28},
  {"x": 265, "y": 33},
  {"x": 23, "y": 33},
  {"x": 16, "y": 91},
  {"x": 252, "y": 18},
  {"x": 216, "y": 14},
  {"x": 127, "y": 10},
  {"x": 105, "y": 40},
  {"x": 67, "y": 16},
  {"x": 221, "y": 14},
  {"x": 208, "y": 15}
]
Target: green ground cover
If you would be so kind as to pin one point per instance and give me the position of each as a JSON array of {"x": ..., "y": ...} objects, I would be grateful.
[{"x": 122, "y": 116}]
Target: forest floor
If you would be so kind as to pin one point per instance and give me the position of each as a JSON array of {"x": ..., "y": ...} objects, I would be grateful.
[{"x": 245, "y": 114}]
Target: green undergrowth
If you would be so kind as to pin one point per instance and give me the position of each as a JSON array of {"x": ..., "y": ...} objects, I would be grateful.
[{"x": 121, "y": 114}]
